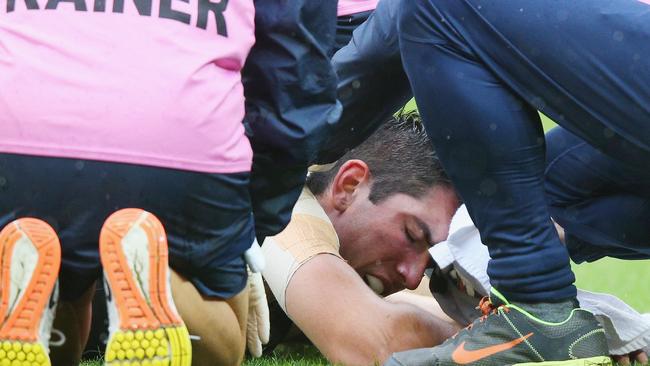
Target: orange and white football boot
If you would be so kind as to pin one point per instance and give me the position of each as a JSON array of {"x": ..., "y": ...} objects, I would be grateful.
[
  {"x": 30, "y": 258},
  {"x": 144, "y": 325}
]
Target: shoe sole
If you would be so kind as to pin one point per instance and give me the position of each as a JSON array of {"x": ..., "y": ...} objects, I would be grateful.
[
  {"x": 150, "y": 330},
  {"x": 592, "y": 361},
  {"x": 19, "y": 333}
]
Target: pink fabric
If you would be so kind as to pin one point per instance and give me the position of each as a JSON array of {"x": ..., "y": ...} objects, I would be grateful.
[
  {"x": 126, "y": 87},
  {"x": 347, "y": 7}
]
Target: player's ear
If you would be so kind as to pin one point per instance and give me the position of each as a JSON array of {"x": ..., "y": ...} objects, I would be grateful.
[{"x": 351, "y": 177}]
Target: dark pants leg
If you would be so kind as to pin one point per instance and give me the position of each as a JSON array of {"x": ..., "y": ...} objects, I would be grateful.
[
  {"x": 603, "y": 205},
  {"x": 372, "y": 85},
  {"x": 479, "y": 69},
  {"x": 494, "y": 156}
]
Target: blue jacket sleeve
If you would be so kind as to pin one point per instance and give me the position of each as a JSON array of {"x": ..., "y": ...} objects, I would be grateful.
[
  {"x": 291, "y": 104},
  {"x": 372, "y": 83}
]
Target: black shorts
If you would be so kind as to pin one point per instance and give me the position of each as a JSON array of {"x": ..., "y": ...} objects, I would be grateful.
[{"x": 207, "y": 217}]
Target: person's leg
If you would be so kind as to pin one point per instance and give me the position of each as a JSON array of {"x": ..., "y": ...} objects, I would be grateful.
[
  {"x": 96, "y": 344},
  {"x": 208, "y": 231},
  {"x": 579, "y": 62},
  {"x": 372, "y": 84},
  {"x": 219, "y": 324},
  {"x": 571, "y": 70},
  {"x": 603, "y": 205},
  {"x": 73, "y": 322},
  {"x": 492, "y": 146},
  {"x": 207, "y": 217},
  {"x": 58, "y": 191}
]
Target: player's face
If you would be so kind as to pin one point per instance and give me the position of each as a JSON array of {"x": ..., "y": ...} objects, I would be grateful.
[{"x": 387, "y": 243}]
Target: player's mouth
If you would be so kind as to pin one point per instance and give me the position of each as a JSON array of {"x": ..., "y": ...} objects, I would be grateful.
[{"x": 375, "y": 284}]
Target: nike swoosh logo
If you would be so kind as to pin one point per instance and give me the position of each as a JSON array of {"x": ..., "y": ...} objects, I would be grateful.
[{"x": 463, "y": 356}]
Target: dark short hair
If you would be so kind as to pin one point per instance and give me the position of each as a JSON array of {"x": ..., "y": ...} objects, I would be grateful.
[{"x": 400, "y": 157}]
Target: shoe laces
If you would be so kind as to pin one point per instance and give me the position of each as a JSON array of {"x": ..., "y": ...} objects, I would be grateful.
[{"x": 487, "y": 308}]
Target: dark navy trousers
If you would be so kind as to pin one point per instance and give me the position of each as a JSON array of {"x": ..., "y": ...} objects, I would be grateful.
[
  {"x": 479, "y": 71},
  {"x": 603, "y": 205}
]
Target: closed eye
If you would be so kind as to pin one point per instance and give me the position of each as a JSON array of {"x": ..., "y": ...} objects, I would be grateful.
[{"x": 409, "y": 237}]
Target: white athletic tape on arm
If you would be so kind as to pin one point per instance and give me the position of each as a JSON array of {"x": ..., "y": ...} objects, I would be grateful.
[{"x": 308, "y": 234}]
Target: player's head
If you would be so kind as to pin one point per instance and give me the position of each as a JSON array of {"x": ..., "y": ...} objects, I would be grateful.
[{"x": 389, "y": 200}]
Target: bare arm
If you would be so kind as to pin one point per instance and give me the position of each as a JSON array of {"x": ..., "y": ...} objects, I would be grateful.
[
  {"x": 348, "y": 323},
  {"x": 425, "y": 303}
]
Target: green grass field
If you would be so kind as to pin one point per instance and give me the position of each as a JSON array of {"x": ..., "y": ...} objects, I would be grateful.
[{"x": 626, "y": 279}]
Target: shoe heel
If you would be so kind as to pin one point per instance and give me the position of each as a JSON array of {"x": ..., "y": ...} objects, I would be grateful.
[
  {"x": 28, "y": 247},
  {"x": 148, "y": 329}
]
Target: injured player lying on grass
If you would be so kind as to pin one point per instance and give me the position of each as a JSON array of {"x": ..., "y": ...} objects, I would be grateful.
[{"x": 365, "y": 228}]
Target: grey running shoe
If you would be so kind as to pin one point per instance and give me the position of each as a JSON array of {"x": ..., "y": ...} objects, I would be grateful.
[{"x": 508, "y": 335}]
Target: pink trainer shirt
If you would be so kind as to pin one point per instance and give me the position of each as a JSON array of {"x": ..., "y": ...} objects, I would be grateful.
[
  {"x": 347, "y": 7},
  {"x": 152, "y": 82}
]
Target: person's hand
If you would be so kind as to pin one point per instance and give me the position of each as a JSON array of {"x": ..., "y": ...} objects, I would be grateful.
[
  {"x": 639, "y": 357},
  {"x": 258, "y": 327}
]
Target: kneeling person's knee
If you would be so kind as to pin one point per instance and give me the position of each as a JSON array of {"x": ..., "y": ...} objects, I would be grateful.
[{"x": 219, "y": 325}]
